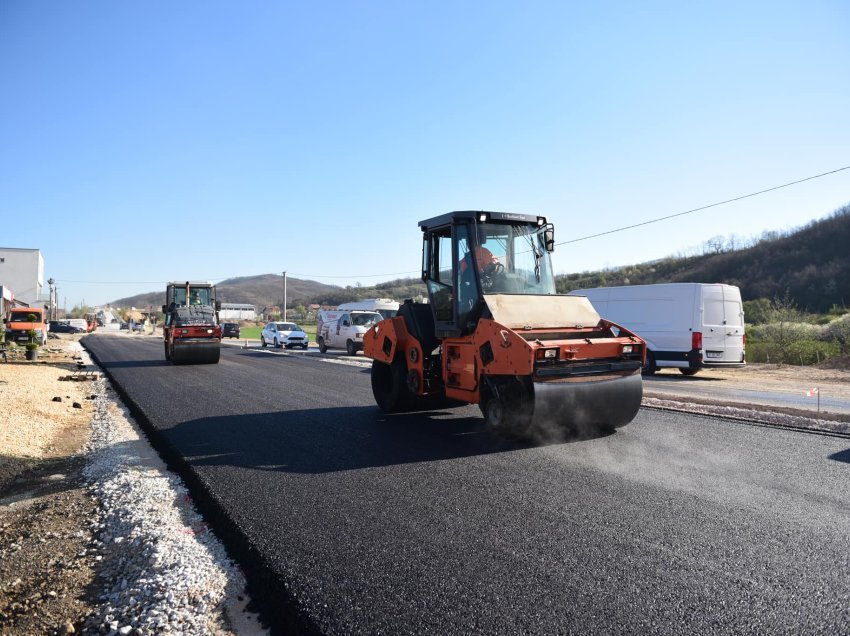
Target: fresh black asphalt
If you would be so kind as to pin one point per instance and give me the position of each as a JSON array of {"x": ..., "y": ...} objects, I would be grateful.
[{"x": 348, "y": 521}]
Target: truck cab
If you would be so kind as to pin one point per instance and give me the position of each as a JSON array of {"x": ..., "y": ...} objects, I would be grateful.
[{"x": 22, "y": 320}]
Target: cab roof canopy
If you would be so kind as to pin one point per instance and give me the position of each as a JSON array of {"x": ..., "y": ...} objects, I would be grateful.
[
  {"x": 192, "y": 283},
  {"x": 482, "y": 216}
]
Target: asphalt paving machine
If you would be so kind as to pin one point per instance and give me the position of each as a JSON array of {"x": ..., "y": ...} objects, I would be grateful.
[
  {"x": 495, "y": 333},
  {"x": 192, "y": 332}
]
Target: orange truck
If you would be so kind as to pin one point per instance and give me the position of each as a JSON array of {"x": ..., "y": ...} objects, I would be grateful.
[
  {"x": 22, "y": 320},
  {"x": 495, "y": 333}
]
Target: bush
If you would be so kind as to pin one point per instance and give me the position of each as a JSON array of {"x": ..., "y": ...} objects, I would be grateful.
[
  {"x": 838, "y": 333},
  {"x": 799, "y": 352}
]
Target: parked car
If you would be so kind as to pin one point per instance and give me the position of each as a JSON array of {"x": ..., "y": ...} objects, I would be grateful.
[
  {"x": 229, "y": 330},
  {"x": 63, "y": 326},
  {"x": 284, "y": 334}
]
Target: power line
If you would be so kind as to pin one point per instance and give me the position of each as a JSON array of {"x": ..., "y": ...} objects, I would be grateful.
[
  {"x": 361, "y": 276},
  {"x": 575, "y": 240},
  {"x": 705, "y": 207}
]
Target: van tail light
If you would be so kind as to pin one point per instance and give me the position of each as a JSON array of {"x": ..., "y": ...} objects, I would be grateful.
[
  {"x": 696, "y": 340},
  {"x": 744, "y": 340}
]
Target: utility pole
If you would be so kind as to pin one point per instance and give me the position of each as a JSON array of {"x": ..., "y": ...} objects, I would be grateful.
[
  {"x": 284, "y": 296},
  {"x": 52, "y": 311}
]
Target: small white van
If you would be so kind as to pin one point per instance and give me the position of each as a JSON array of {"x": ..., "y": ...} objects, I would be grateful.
[
  {"x": 687, "y": 326},
  {"x": 344, "y": 329},
  {"x": 384, "y": 306}
]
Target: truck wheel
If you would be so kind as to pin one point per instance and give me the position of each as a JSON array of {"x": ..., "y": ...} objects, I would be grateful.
[
  {"x": 688, "y": 371},
  {"x": 649, "y": 368},
  {"x": 322, "y": 347},
  {"x": 350, "y": 348},
  {"x": 389, "y": 386},
  {"x": 262, "y": 341}
]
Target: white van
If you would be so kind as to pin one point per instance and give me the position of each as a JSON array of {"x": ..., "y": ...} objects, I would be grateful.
[
  {"x": 344, "y": 329},
  {"x": 384, "y": 306},
  {"x": 687, "y": 326},
  {"x": 79, "y": 323}
]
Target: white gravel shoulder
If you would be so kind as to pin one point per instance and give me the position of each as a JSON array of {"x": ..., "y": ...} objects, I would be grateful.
[{"x": 163, "y": 570}]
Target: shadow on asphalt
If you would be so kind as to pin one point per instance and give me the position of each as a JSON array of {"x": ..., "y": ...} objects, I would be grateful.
[
  {"x": 841, "y": 456},
  {"x": 331, "y": 439}
]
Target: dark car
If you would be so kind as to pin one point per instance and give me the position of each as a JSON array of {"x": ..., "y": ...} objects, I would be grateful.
[
  {"x": 229, "y": 330},
  {"x": 61, "y": 326}
]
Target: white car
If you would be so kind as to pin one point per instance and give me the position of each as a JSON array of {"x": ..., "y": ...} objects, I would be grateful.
[{"x": 284, "y": 334}]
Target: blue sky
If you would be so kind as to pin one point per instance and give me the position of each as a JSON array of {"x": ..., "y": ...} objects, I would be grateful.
[{"x": 142, "y": 142}]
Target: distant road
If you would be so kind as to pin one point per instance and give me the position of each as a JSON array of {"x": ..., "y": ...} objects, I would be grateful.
[{"x": 350, "y": 521}]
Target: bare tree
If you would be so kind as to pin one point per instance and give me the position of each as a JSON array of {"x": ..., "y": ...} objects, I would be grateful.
[{"x": 715, "y": 244}]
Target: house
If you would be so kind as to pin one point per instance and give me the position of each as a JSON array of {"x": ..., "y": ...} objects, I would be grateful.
[{"x": 23, "y": 270}]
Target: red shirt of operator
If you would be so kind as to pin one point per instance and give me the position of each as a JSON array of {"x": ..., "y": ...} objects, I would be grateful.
[{"x": 483, "y": 258}]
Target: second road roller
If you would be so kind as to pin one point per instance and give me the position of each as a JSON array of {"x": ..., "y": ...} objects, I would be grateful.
[{"x": 192, "y": 331}]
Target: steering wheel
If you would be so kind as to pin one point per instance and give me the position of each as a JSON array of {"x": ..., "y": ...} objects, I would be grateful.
[
  {"x": 490, "y": 272},
  {"x": 494, "y": 269}
]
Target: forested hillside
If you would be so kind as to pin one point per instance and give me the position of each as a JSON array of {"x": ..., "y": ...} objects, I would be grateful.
[
  {"x": 811, "y": 265},
  {"x": 266, "y": 290}
]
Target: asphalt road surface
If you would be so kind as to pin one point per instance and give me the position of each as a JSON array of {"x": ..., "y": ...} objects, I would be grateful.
[{"x": 350, "y": 521}]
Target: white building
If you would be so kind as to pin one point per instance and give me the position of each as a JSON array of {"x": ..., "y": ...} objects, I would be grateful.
[
  {"x": 22, "y": 271},
  {"x": 237, "y": 311}
]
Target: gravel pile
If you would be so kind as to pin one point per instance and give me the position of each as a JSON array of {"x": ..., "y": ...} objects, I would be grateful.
[{"x": 161, "y": 570}]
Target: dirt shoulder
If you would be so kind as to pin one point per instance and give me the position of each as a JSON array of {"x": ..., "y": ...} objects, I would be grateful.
[{"x": 46, "y": 564}]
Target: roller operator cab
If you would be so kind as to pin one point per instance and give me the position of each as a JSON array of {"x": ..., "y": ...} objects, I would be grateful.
[
  {"x": 540, "y": 365},
  {"x": 191, "y": 332}
]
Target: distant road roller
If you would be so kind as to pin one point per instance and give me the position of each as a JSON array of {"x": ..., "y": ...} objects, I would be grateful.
[
  {"x": 192, "y": 332},
  {"x": 541, "y": 366}
]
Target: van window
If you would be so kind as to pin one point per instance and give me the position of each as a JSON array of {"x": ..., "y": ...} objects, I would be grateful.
[
  {"x": 713, "y": 311},
  {"x": 733, "y": 313},
  {"x": 366, "y": 320}
]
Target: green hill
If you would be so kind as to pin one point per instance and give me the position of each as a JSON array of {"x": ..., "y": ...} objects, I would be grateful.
[
  {"x": 266, "y": 290},
  {"x": 811, "y": 264}
]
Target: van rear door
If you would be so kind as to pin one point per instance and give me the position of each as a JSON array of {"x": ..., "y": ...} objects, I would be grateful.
[
  {"x": 733, "y": 313},
  {"x": 722, "y": 325}
]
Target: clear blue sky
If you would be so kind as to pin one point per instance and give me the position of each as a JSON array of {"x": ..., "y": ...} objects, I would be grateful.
[{"x": 147, "y": 141}]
